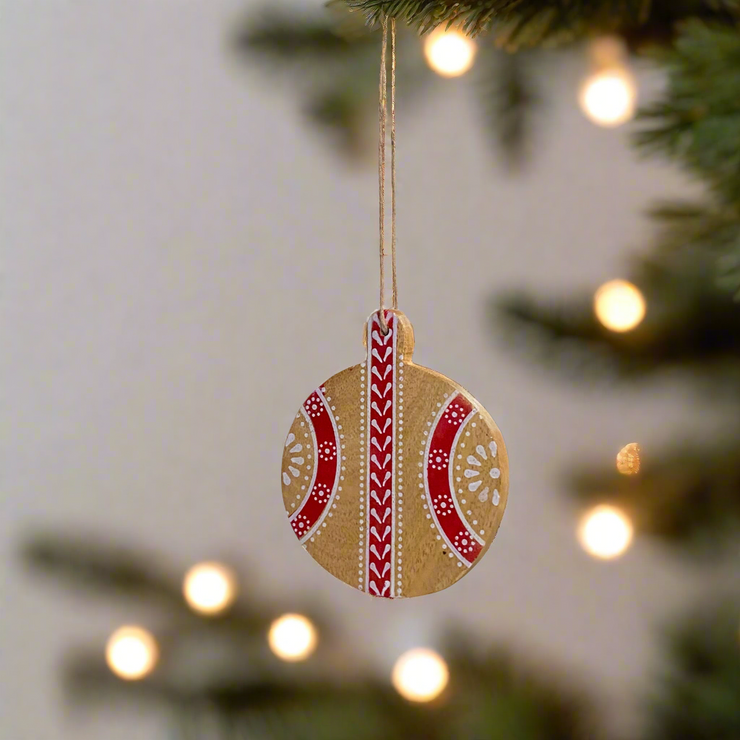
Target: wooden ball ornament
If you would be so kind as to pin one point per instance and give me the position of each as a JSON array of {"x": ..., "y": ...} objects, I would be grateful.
[{"x": 395, "y": 478}]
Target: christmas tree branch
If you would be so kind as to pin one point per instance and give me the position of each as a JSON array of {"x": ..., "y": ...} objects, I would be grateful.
[
  {"x": 696, "y": 121},
  {"x": 335, "y": 56},
  {"x": 700, "y": 683},
  {"x": 687, "y": 496},
  {"x": 508, "y": 99},
  {"x": 533, "y": 20},
  {"x": 537, "y": 22},
  {"x": 100, "y": 568},
  {"x": 96, "y": 566},
  {"x": 690, "y": 325},
  {"x": 491, "y": 694},
  {"x": 285, "y": 37},
  {"x": 252, "y": 693}
]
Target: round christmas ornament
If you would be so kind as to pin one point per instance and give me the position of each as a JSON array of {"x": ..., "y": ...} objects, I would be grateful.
[{"x": 394, "y": 477}]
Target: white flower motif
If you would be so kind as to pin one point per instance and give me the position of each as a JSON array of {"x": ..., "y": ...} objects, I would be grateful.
[
  {"x": 301, "y": 523},
  {"x": 463, "y": 543},
  {"x": 454, "y": 414},
  {"x": 439, "y": 459},
  {"x": 443, "y": 506},
  {"x": 313, "y": 407},
  {"x": 482, "y": 466},
  {"x": 296, "y": 461},
  {"x": 322, "y": 492},
  {"x": 327, "y": 450}
]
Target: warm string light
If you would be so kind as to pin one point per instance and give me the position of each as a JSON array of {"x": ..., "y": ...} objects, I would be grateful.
[
  {"x": 420, "y": 675},
  {"x": 450, "y": 53},
  {"x": 628, "y": 459},
  {"x": 209, "y": 588},
  {"x": 131, "y": 653},
  {"x": 292, "y": 637},
  {"x": 619, "y": 305},
  {"x": 605, "y": 532},
  {"x": 608, "y": 96}
]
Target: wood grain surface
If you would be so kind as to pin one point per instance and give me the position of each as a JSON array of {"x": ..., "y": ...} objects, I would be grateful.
[{"x": 395, "y": 478}]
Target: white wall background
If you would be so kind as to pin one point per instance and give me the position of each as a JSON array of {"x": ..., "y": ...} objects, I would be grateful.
[{"x": 183, "y": 260}]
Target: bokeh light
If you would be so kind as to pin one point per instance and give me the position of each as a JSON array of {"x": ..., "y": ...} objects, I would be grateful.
[
  {"x": 619, "y": 305},
  {"x": 605, "y": 532},
  {"x": 292, "y": 637},
  {"x": 628, "y": 459},
  {"x": 131, "y": 652},
  {"x": 209, "y": 588},
  {"x": 449, "y": 53},
  {"x": 608, "y": 97},
  {"x": 420, "y": 675}
]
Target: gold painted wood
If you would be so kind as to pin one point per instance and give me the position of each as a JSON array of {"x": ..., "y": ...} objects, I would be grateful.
[{"x": 395, "y": 478}]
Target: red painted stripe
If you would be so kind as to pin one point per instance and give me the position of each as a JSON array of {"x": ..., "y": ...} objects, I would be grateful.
[
  {"x": 381, "y": 403},
  {"x": 326, "y": 459},
  {"x": 440, "y": 458}
]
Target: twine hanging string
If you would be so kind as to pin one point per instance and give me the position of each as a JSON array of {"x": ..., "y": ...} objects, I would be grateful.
[
  {"x": 382, "y": 116},
  {"x": 393, "y": 162}
]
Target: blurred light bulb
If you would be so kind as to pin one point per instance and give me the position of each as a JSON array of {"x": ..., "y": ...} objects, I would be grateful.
[
  {"x": 420, "y": 675},
  {"x": 209, "y": 588},
  {"x": 449, "y": 53},
  {"x": 608, "y": 97},
  {"x": 605, "y": 532},
  {"x": 628, "y": 459},
  {"x": 131, "y": 653},
  {"x": 292, "y": 637},
  {"x": 619, "y": 305}
]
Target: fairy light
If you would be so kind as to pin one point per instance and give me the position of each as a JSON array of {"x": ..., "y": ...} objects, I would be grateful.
[
  {"x": 209, "y": 588},
  {"x": 292, "y": 637},
  {"x": 608, "y": 98},
  {"x": 449, "y": 53},
  {"x": 420, "y": 675},
  {"x": 609, "y": 95},
  {"x": 131, "y": 653},
  {"x": 619, "y": 305},
  {"x": 628, "y": 459},
  {"x": 605, "y": 532}
]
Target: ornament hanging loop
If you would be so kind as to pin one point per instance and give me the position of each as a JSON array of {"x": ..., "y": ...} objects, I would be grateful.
[{"x": 382, "y": 118}]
